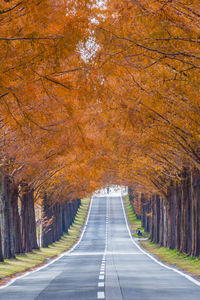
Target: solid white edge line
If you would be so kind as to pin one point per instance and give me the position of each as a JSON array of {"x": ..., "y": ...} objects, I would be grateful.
[
  {"x": 153, "y": 258},
  {"x": 57, "y": 258}
]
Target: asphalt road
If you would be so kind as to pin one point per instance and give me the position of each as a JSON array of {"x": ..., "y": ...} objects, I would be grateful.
[{"x": 106, "y": 264}]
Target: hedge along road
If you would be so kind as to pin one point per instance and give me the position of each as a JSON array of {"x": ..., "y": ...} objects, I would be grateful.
[{"x": 106, "y": 264}]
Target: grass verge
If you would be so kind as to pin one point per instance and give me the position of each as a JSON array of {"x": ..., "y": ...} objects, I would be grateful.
[
  {"x": 29, "y": 261},
  {"x": 134, "y": 223},
  {"x": 189, "y": 264},
  {"x": 172, "y": 257}
]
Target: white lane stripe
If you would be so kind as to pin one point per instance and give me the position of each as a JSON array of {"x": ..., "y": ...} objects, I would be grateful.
[
  {"x": 57, "y": 258},
  {"x": 101, "y": 277},
  {"x": 100, "y": 295},
  {"x": 153, "y": 258},
  {"x": 101, "y": 273},
  {"x": 100, "y": 284}
]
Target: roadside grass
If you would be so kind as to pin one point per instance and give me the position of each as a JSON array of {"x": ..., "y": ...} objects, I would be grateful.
[
  {"x": 170, "y": 256},
  {"x": 31, "y": 260},
  {"x": 135, "y": 224},
  {"x": 189, "y": 264}
]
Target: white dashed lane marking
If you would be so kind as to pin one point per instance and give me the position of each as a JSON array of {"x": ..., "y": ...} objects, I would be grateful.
[
  {"x": 100, "y": 295},
  {"x": 101, "y": 284}
]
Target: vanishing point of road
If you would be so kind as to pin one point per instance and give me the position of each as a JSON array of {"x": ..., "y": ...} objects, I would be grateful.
[{"x": 106, "y": 264}]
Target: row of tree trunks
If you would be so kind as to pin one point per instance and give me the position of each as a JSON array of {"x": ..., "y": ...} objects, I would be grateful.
[
  {"x": 17, "y": 222},
  {"x": 17, "y": 219},
  {"x": 174, "y": 222},
  {"x": 57, "y": 218}
]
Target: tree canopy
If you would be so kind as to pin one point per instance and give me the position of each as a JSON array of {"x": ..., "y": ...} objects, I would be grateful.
[{"x": 99, "y": 92}]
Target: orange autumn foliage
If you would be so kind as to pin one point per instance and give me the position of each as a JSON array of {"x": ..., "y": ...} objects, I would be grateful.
[{"x": 127, "y": 114}]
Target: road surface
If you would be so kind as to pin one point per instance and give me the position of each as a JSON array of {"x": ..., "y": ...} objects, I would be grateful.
[{"x": 106, "y": 264}]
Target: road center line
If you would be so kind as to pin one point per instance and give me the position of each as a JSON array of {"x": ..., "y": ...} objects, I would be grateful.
[
  {"x": 101, "y": 284},
  {"x": 100, "y": 295}
]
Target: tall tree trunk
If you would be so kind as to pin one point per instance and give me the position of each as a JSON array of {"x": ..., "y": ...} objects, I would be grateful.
[
  {"x": 7, "y": 235},
  {"x": 195, "y": 182},
  {"x": 46, "y": 225},
  {"x": 131, "y": 195},
  {"x": 157, "y": 218},
  {"x": 65, "y": 218},
  {"x": 184, "y": 205},
  {"x": 28, "y": 225},
  {"x": 165, "y": 228},
  {"x": 1, "y": 252},
  {"x": 178, "y": 216},
  {"x": 152, "y": 219},
  {"x": 161, "y": 228},
  {"x": 16, "y": 219},
  {"x": 189, "y": 214},
  {"x": 173, "y": 217}
]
